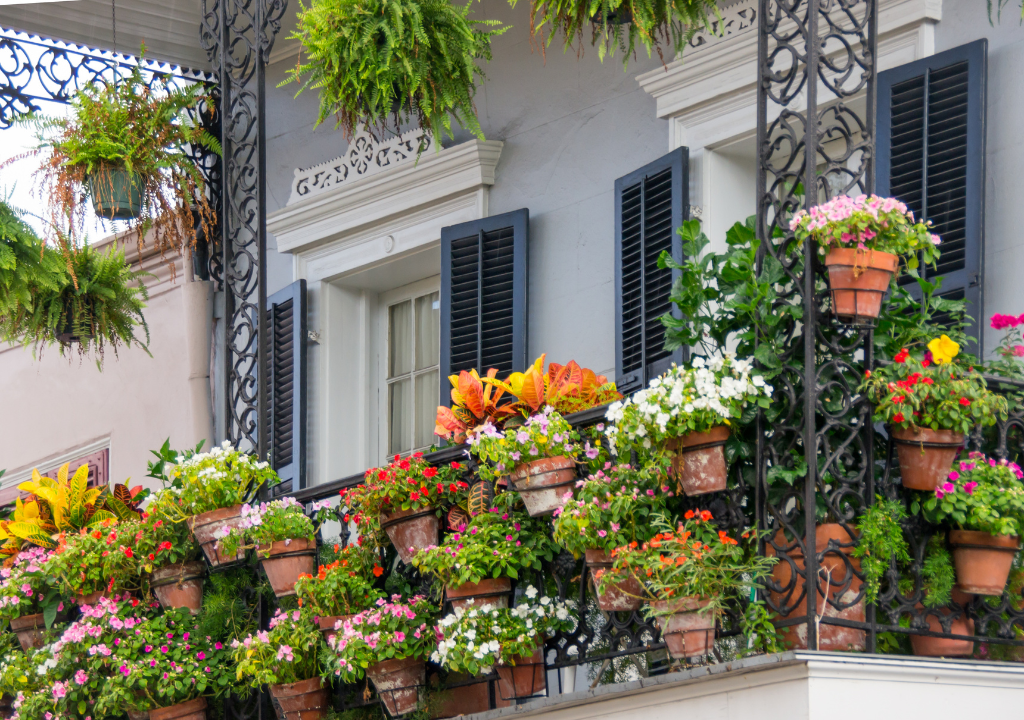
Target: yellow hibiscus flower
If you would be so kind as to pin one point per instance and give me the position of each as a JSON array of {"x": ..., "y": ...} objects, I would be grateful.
[{"x": 943, "y": 349}]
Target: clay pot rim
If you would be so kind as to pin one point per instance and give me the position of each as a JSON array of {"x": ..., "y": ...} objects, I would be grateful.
[
  {"x": 830, "y": 534},
  {"x": 853, "y": 257},
  {"x": 694, "y": 441},
  {"x": 690, "y": 603},
  {"x": 282, "y": 689},
  {"x": 22, "y": 622},
  {"x": 294, "y": 547},
  {"x": 334, "y": 620},
  {"x": 983, "y": 540},
  {"x": 215, "y": 515},
  {"x": 396, "y": 665},
  {"x": 926, "y": 437},
  {"x": 557, "y": 462},
  {"x": 389, "y": 519},
  {"x": 454, "y": 593},
  {"x": 191, "y": 570},
  {"x": 184, "y": 708}
]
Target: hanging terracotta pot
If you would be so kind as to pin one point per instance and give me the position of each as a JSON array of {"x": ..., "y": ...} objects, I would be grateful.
[
  {"x": 688, "y": 631},
  {"x": 838, "y": 571},
  {"x": 411, "y": 531},
  {"x": 925, "y": 646},
  {"x": 926, "y": 456},
  {"x": 205, "y": 527},
  {"x": 286, "y": 561},
  {"x": 179, "y": 585},
  {"x": 467, "y": 699},
  {"x": 493, "y": 592},
  {"x": 543, "y": 483},
  {"x": 116, "y": 193},
  {"x": 303, "y": 700},
  {"x": 398, "y": 683},
  {"x": 699, "y": 463},
  {"x": 858, "y": 280},
  {"x": 327, "y": 623},
  {"x": 612, "y": 597},
  {"x": 525, "y": 678},
  {"x": 982, "y": 561},
  {"x": 29, "y": 629},
  {"x": 191, "y": 710}
]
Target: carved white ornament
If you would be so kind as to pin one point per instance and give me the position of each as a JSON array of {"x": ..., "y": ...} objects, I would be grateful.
[
  {"x": 365, "y": 157},
  {"x": 735, "y": 19}
]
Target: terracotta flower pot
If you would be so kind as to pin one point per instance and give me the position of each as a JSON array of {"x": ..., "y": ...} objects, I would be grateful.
[
  {"x": 614, "y": 597},
  {"x": 699, "y": 464},
  {"x": 925, "y": 646},
  {"x": 179, "y": 585},
  {"x": 859, "y": 280},
  {"x": 91, "y": 598},
  {"x": 688, "y": 632},
  {"x": 288, "y": 559},
  {"x": 398, "y": 683},
  {"x": 468, "y": 699},
  {"x": 29, "y": 629},
  {"x": 138, "y": 714},
  {"x": 411, "y": 531},
  {"x": 982, "y": 561},
  {"x": 527, "y": 677},
  {"x": 303, "y": 700},
  {"x": 205, "y": 526},
  {"x": 116, "y": 193},
  {"x": 843, "y": 588},
  {"x": 543, "y": 483},
  {"x": 489, "y": 591},
  {"x": 926, "y": 456},
  {"x": 328, "y": 622},
  {"x": 191, "y": 710}
]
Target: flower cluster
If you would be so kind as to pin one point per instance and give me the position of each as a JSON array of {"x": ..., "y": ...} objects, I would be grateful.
[
  {"x": 164, "y": 539},
  {"x": 684, "y": 400},
  {"x": 610, "y": 508},
  {"x": 389, "y": 631},
  {"x": 221, "y": 478},
  {"x": 288, "y": 652},
  {"x": 25, "y": 585},
  {"x": 476, "y": 640},
  {"x": 544, "y": 435},
  {"x": 99, "y": 559},
  {"x": 932, "y": 392},
  {"x": 981, "y": 494},
  {"x": 867, "y": 223},
  {"x": 405, "y": 484},
  {"x": 497, "y": 543},
  {"x": 267, "y": 523},
  {"x": 343, "y": 586}
]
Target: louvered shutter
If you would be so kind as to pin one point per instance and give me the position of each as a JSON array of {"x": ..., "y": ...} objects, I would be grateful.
[
  {"x": 287, "y": 321},
  {"x": 483, "y": 296},
  {"x": 650, "y": 205},
  {"x": 931, "y": 155}
]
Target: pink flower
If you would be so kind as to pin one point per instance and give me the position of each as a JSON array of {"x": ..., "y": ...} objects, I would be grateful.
[
  {"x": 969, "y": 487},
  {"x": 400, "y": 636},
  {"x": 124, "y": 670},
  {"x": 948, "y": 487},
  {"x": 164, "y": 648},
  {"x": 601, "y": 533},
  {"x": 954, "y": 475},
  {"x": 201, "y": 655},
  {"x": 218, "y": 646},
  {"x": 81, "y": 678},
  {"x": 149, "y": 648},
  {"x": 615, "y": 527}
]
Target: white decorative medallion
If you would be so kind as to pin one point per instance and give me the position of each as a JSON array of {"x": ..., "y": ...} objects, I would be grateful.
[{"x": 365, "y": 157}]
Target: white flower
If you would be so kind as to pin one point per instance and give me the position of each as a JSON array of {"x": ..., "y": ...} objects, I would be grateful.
[
  {"x": 561, "y": 613},
  {"x": 531, "y": 592}
]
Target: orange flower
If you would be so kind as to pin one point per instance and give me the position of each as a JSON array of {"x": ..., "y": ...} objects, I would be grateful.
[
  {"x": 705, "y": 515},
  {"x": 300, "y": 602},
  {"x": 378, "y": 571},
  {"x": 336, "y": 546},
  {"x": 689, "y": 515}
]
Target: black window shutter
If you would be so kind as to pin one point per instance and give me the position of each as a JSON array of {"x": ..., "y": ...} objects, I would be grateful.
[
  {"x": 650, "y": 205},
  {"x": 286, "y": 311},
  {"x": 931, "y": 155},
  {"x": 484, "y": 296}
]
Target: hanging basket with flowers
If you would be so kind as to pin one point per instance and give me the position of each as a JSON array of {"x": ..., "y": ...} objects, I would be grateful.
[{"x": 342, "y": 586}]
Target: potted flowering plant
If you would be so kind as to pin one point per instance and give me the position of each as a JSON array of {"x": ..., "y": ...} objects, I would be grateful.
[
  {"x": 690, "y": 572},
  {"x": 342, "y": 586},
  {"x": 407, "y": 497},
  {"x": 861, "y": 240},
  {"x": 289, "y": 658},
  {"x": 211, "y": 488},
  {"x": 930, "y": 404},
  {"x": 538, "y": 456},
  {"x": 93, "y": 564},
  {"x": 166, "y": 549},
  {"x": 476, "y": 563},
  {"x": 283, "y": 536},
  {"x": 28, "y": 600},
  {"x": 389, "y": 643},
  {"x": 611, "y": 508},
  {"x": 983, "y": 502},
  {"x": 166, "y": 667},
  {"x": 481, "y": 639},
  {"x": 689, "y": 412}
]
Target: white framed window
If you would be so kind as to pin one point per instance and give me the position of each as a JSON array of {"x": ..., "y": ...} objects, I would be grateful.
[{"x": 409, "y": 389}]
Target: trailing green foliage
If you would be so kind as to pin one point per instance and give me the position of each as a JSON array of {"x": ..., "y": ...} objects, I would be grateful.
[
  {"x": 937, "y": 574},
  {"x": 906, "y": 322},
  {"x": 881, "y": 542},
  {"x": 28, "y": 271},
  {"x": 371, "y": 59}
]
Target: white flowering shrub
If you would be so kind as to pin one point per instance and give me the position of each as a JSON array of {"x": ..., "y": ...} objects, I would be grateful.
[
  {"x": 477, "y": 639},
  {"x": 221, "y": 478},
  {"x": 685, "y": 400}
]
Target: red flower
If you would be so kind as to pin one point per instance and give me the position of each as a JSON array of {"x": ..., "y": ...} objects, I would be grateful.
[
  {"x": 378, "y": 571},
  {"x": 128, "y": 552},
  {"x": 928, "y": 381},
  {"x": 404, "y": 464},
  {"x": 898, "y": 418},
  {"x": 901, "y": 356},
  {"x": 867, "y": 373},
  {"x": 430, "y": 472},
  {"x": 152, "y": 556},
  {"x": 414, "y": 496},
  {"x": 898, "y": 399},
  {"x": 417, "y": 455},
  {"x": 688, "y": 515},
  {"x": 964, "y": 401},
  {"x": 705, "y": 515},
  {"x": 455, "y": 466}
]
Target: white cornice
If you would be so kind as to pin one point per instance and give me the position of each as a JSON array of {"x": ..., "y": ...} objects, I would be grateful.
[{"x": 343, "y": 210}]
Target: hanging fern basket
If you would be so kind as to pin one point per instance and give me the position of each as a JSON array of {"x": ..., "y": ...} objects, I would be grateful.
[
  {"x": 116, "y": 193},
  {"x": 69, "y": 332}
]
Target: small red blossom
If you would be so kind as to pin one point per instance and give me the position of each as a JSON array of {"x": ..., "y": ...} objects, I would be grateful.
[
  {"x": 964, "y": 401},
  {"x": 901, "y": 356},
  {"x": 898, "y": 417}
]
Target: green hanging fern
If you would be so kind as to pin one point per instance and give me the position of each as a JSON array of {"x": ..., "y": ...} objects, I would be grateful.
[
  {"x": 26, "y": 271},
  {"x": 375, "y": 59}
]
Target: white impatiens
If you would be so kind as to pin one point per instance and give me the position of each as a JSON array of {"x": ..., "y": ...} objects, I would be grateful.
[{"x": 684, "y": 400}]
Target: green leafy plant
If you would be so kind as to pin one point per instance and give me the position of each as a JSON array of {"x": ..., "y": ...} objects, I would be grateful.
[
  {"x": 266, "y": 523},
  {"x": 369, "y": 59},
  {"x": 497, "y": 543},
  {"x": 544, "y": 435},
  {"x": 26, "y": 587},
  {"x": 343, "y": 586},
  {"x": 880, "y": 542},
  {"x": 937, "y": 574},
  {"x": 103, "y": 559},
  {"x": 290, "y": 651},
  {"x": 163, "y": 538},
  {"x": 221, "y": 478},
  {"x": 981, "y": 494},
  {"x": 908, "y": 322},
  {"x": 476, "y": 640},
  {"x": 389, "y": 631},
  {"x": 29, "y": 270},
  {"x": 405, "y": 484},
  {"x": 167, "y": 458}
]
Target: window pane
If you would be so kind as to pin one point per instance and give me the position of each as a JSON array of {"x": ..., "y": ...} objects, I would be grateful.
[
  {"x": 399, "y": 420},
  {"x": 400, "y": 339},
  {"x": 427, "y": 390},
  {"x": 428, "y": 330}
]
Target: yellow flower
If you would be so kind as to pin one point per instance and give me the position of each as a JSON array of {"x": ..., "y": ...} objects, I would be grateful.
[
  {"x": 542, "y": 439},
  {"x": 943, "y": 349}
]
